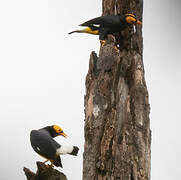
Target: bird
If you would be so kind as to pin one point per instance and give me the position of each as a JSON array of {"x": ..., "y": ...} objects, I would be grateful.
[
  {"x": 108, "y": 24},
  {"x": 43, "y": 143}
]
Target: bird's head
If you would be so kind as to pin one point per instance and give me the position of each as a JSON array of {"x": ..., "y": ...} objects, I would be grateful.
[
  {"x": 58, "y": 131},
  {"x": 131, "y": 19}
]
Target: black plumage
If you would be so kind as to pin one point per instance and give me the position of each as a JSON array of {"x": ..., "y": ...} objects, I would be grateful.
[
  {"x": 43, "y": 143},
  {"x": 108, "y": 24}
]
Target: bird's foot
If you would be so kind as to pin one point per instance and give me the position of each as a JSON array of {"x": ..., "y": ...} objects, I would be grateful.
[
  {"x": 45, "y": 161},
  {"x": 51, "y": 165},
  {"x": 48, "y": 165},
  {"x": 102, "y": 42},
  {"x": 116, "y": 49}
]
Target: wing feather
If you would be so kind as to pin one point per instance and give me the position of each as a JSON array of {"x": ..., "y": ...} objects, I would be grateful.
[
  {"x": 44, "y": 144},
  {"x": 104, "y": 21}
]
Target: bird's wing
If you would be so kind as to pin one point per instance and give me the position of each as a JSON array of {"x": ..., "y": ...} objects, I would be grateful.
[
  {"x": 104, "y": 21},
  {"x": 44, "y": 144}
]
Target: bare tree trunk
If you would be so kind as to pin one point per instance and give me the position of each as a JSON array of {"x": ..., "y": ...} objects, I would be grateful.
[{"x": 117, "y": 126}]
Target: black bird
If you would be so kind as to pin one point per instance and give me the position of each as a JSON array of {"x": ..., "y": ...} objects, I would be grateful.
[
  {"x": 108, "y": 24},
  {"x": 43, "y": 143}
]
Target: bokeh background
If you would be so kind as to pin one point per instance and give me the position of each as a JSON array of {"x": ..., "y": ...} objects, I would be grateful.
[{"x": 42, "y": 80}]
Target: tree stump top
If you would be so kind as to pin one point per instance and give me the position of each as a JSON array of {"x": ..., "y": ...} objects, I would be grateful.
[{"x": 44, "y": 172}]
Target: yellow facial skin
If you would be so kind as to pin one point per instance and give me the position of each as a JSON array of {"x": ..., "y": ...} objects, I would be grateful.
[
  {"x": 131, "y": 19},
  {"x": 59, "y": 130}
]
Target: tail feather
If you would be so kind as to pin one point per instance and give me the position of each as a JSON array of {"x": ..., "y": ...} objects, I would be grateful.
[
  {"x": 75, "y": 151},
  {"x": 58, "y": 162},
  {"x": 89, "y": 30},
  {"x": 76, "y": 31}
]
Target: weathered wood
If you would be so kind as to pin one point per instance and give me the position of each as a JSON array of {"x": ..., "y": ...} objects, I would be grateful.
[
  {"x": 44, "y": 172},
  {"x": 117, "y": 125}
]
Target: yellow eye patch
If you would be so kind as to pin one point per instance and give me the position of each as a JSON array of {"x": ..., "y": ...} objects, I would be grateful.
[{"x": 57, "y": 128}]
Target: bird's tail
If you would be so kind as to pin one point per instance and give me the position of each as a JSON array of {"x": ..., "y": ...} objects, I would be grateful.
[
  {"x": 75, "y": 151},
  {"x": 76, "y": 31},
  {"x": 86, "y": 30},
  {"x": 58, "y": 162}
]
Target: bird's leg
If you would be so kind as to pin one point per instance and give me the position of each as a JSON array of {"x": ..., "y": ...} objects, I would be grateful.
[
  {"x": 102, "y": 42},
  {"x": 45, "y": 161},
  {"x": 52, "y": 165},
  {"x": 47, "y": 165},
  {"x": 102, "y": 36},
  {"x": 113, "y": 39}
]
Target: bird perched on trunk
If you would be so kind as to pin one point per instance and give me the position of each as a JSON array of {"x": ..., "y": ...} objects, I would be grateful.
[
  {"x": 108, "y": 24},
  {"x": 43, "y": 143}
]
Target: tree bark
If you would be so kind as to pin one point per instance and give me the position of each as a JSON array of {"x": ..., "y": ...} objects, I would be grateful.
[
  {"x": 117, "y": 125},
  {"x": 44, "y": 172}
]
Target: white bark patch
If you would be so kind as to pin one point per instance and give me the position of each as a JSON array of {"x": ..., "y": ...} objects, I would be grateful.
[
  {"x": 138, "y": 76},
  {"x": 96, "y": 111},
  {"x": 140, "y": 120},
  {"x": 105, "y": 106},
  {"x": 134, "y": 28},
  {"x": 89, "y": 106}
]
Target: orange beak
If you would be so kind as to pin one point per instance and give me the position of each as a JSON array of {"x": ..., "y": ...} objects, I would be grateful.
[
  {"x": 63, "y": 134},
  {"x": 138, "y": 22}
]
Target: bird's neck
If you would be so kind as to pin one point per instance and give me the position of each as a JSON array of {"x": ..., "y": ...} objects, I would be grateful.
[{"x": 50, "y": 131}]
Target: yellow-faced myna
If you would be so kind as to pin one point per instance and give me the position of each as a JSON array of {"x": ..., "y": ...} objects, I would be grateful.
[
  {"x": 108, "y": 24},
  {"x": 43, "y": 143}
]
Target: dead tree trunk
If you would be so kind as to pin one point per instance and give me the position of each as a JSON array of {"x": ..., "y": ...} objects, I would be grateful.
[
  {"x": 117, "y": 126},
  {"x": 44, "y": 172}
]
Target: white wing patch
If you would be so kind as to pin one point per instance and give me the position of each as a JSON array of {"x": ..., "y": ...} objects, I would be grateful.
[
  {"x": 96, "y": 25},
  {"x": 38, "y": 148},
  {"x": 64, "y": 150}
]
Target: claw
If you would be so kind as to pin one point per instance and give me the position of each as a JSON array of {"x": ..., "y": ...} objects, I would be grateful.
[
  {"x": 116, "y": 49},
  {"x": 52, "y": 165},
  {"x": 102, "y": 42},
  {"x": 45, "y": 161},
  {"x": 47, "y": 165}
]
